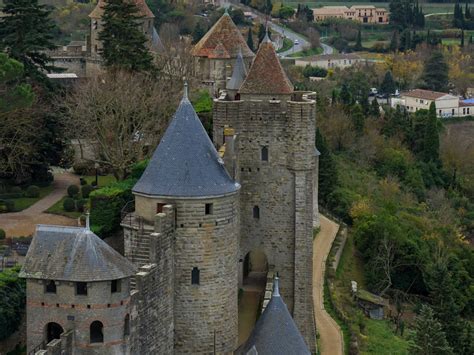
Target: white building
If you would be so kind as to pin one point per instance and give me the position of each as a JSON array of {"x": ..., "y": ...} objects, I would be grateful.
[
  {"x": 328, "y": 61},
  {"x": 447, "y": 105}
]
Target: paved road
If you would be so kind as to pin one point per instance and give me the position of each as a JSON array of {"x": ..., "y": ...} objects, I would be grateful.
[
  {"x": 330, "y": 335},
  {"x": 439, "y": 13},
  {"x": 24, "y": 223}
]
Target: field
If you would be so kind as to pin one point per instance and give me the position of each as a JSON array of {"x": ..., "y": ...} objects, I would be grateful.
[{"x": 428, "y": 8}]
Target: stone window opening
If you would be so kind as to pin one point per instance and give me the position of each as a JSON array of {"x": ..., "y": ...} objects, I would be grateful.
[
  {"x": 81, "y": 288},
  {"x": 256, "y": 212},
  {"x": 159, "y": 207},
  {"x": 209, "y": 208},
  {"x": 126, "y": 326},
  {"x": 195, "y": 276},
  {"x": 115, "y": 286},
  {"x": 96, "y": 332},
  {"x": 50, "y": 287},
  {"x": 264, "y": 153}
]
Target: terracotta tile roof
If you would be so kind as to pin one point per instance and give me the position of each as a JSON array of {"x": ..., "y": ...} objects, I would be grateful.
[
  {"x": 424, "y": 94},
  {"x": 224, "y": 33},
  {"x": 143, "y": 9},
  {"x": 266, "y": 75},
  {"x": 219, "y": 52}
]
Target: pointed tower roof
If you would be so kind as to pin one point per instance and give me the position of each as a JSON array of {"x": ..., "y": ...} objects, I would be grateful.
[
  {"x": 238, "y": 74},
  {"x": 143, "y": 9},
  {"x": 156, "y": 43},
  {"x": 73, "y": 254},
  {"x": 225, "y": 33},
  {"x": 185, "y": 164},
  {"x": 266, "y": 75},
  {"x": 275, "y": 332}
]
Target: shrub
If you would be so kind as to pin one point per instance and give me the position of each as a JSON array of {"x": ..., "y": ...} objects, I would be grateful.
[
  {"x": 72, "y": 190},
  {"x": 10, "y": 195},
  {"x": 107, "y": 204},
  {"x": 16, "y": 190},
  {"x": 80, "y": 204},
  {"x": 86, "y": 190},
  {"x": 10, "y": 205},
  {"x": 69, "y": 205},
  {"x": 2, "y": 234},
  {"x": 32, "y": 191},
  {"x": 12, "y": 302},
  {"x": 310, "y": 71},
  {"x": 84, "y": 168},
  {"x": 138, "y": 168},
  {"x": 82, "y": 181}
]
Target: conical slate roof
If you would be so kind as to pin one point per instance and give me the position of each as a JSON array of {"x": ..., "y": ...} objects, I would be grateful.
[
  {"x": 238, "y": 74},
  {"x": 185, "y": 164},
  {"x": 275, "y": 332},
  {"x": 73, "y": 254},
  {"x": 156, "y": 43},
  {"x": 266, "y": 75},
  {"x": 224, "y": 33},
  {"x": 143, "y": 9}
]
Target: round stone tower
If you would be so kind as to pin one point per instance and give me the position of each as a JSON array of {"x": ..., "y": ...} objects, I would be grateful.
[{"x": 187, "y": 172}]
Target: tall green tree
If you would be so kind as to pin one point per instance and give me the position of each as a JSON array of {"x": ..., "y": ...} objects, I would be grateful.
[
  {"x": 198, "y": 32},
  {"x": 26, "y": 32},
  {"x": 431, "y": 136},
  {"x": 462, "y": 39},
  {"x": 327, "y": 178},
  {"x": 358, "y": 45},
  {"x": 394, "y": 41},
  {"x": 358, "y": 118},
  {"x": 388, "y": 85},
  {"x": 435, "y": 73},
  {"x": 250, "y": 39},
  {"x": 375, "y": 108},
  {"x": 124, "y": 44},
  {"x": 428, "y": 337}
]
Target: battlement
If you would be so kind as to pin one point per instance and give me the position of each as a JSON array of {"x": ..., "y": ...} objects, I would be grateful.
[{"x": 64, "y": 345}]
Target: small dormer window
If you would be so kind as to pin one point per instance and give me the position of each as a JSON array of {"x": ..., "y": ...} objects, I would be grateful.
[
  {"x": 50, "y": 287},
  {"x": 81, "y": 288},
  {"x": 209, "y": 208}
]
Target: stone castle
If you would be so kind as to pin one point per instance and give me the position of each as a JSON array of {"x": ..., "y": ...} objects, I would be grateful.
[
  {"x": 83, "y": 58},
  {"x": 202, "y": 210}
]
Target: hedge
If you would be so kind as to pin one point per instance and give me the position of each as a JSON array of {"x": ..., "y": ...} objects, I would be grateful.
[
  {"x": 32, "y": 191},
  {"x": 107, "y": 204},
  {"x": 12, "y": 301},
  {"x": 10, "y": 195}
]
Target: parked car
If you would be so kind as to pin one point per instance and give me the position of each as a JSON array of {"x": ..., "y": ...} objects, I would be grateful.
[
  {"x": 373, "y": 92},
  {"x": 296, "y": 41}
]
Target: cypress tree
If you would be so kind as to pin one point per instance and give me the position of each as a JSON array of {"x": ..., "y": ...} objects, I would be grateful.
[
  {"x": 470, "y": 39},
  {"x": 462, "y": 39},
  {"x": 431, "y": 136},
  {"x": 467, "y": 12},
  {"x": 358, "y": 45},
  {"x": 261, "y": 33},
  {"x": 374, "y": 108},
  {"x": 394, "y": 42},
  {"x": 198, "y": 32},
  {"x": 250, "y": 39},
  {"x": 358, "y": 119},
  {"x": 345, "y": 94},
  {"x": 26, "y": 32},
  {"x": 328, "y": 177},
  {"x": 435, "y": 73},
  {"x": 428, "y": 336},
  {"x": 124, "y": 44},
  {"x": 388, "y": 85}
]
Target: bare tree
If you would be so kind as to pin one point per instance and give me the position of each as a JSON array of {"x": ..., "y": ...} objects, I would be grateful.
[{"x": 120, "y": 116}]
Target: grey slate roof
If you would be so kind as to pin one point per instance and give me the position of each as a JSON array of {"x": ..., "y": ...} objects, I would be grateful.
[
  {"x": 73, "y": 254},
  {"x": 239, "y": 73},
  {"x": 156, "y": 43},
  {"x": 185, "y": 164},
  {"x": 275, "y": 332}
]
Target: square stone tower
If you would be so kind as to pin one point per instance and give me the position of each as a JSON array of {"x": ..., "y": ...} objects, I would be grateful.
[{"x": 276, "y": 165}]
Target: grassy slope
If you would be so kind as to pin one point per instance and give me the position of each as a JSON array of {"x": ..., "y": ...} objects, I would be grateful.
[{"x": 379, "y": 337}]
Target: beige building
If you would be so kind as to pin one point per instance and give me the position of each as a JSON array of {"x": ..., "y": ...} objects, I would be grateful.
[
  {"x": 328, "y": 61},
  {"x": 360, "y": 13},
  {"x": 447, "y": 105}
]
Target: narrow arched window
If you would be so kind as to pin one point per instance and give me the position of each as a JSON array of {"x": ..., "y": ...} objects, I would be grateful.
[
  {"x": 264, "y": 154},
  {"x": 50, "y": 287},
  {"x": 126, "y": 326},
  {"x": 195, "y": 276},
  {"x": 256, "y": 212},
  {"x": 96, "y": 332}
]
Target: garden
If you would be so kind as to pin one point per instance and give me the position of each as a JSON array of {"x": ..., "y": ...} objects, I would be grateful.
[{"x": 16, "y": 198}]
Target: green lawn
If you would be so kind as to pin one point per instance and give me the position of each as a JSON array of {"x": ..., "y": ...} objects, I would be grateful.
[
  {"x": 287, "y": 44},
  {"x": 25, "y": 202},
  {"x": 381, "y": 340},
  {"x": 58, "y": 209}
]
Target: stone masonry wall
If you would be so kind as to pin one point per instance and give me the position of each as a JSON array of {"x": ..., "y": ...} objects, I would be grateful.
[
  {"x": 77, "y": 312},
  {"x": 151, "y": 248},
  {"x": 281, "y": 187},
  {"x": 208, "y": 310}
]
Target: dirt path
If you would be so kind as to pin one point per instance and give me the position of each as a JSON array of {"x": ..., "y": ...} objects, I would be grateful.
[
  {"x": 331, "y": 341},
  {"x": 24, "y": 223}
]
